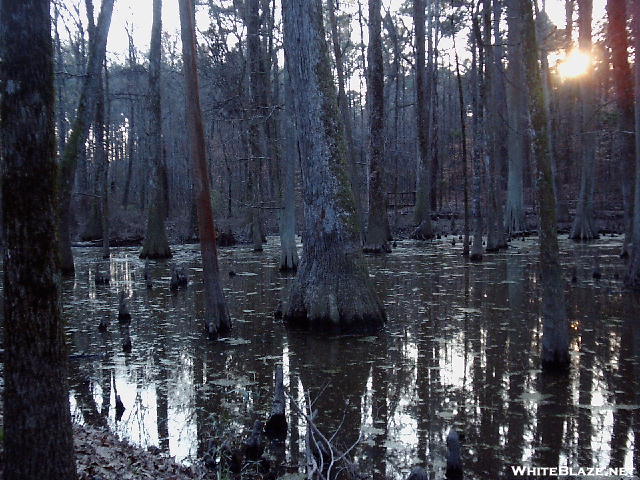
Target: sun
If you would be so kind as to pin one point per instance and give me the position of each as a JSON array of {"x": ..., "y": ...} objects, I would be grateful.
[{"x": 575, "y": 64}]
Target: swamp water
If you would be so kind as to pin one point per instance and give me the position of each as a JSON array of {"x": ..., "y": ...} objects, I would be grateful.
[{"x": 460, "y": 350}]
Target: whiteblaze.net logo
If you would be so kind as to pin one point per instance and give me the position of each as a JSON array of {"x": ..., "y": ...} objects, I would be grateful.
[{"x": 523, "y": 471}]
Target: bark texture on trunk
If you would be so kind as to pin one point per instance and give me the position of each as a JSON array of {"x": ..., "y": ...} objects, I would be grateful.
[
  {"x": 217, "y": 320},
  {"x": 332, "y": 292},
  {"x": 632, "y": 278},
  {"x": 555, "y": 334},
  {"x": 79, "y": 131},
  {"x": 518, "y": 142},
  {"x": 377, "y": 235},
  {"x": 624, "y": 147},
  {"x": 479, "y": 146},
  {"x": 38, "y": 442},
  {"x": 288, "y": 251},
  {"x": 155, "y": 243},
  {"x": 424, "y": 229},
  {"x": 257, "y": 144},
  {"x": 584, "y": 224},
  {"x": 343, "y": 104}
]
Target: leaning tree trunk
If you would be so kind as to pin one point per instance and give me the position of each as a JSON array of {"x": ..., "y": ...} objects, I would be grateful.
[
  {"x": 217, "y": 320},
  {"x": 624, "y": 148},
  {"x": 79, "y": 131},
  {"x": 377, "y": 235},
  {"x": 632, "y": 278},
  {"x": 555, "y": 334},
  {"x": 332, "y": 292},
  {"x": 155, "y": 243},
  {"x": 518, "y": 142},
  {"x": 424, "y": 229},
  {"x": 288, "y": 251},
  {"x": 584, "y": 224},
  {"x": 38, "y": 442}
]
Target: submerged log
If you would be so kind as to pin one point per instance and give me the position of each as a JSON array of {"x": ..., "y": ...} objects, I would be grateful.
[{"x": 276, "y": 427}]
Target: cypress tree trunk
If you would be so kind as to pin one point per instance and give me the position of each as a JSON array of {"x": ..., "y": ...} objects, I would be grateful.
[
  {"x": 102, "y": 165},
  {"x": 584, "y": 224},
  {"x": 494, "y": 233},
  {"x": 518, "y": 142},
  {"x": 377, "y": 235},
  {"x": 257, "y": 147},
  {"x": 343, "y": 105},
  {"x": 155, "y": 243},
  {"x": 217, "y": 320},
  {"x": 632, "y": 278},
  {"x": 465, "y": 167},
  {"x": 424, "y": 229},
  {"x": 288, "y": 251},
  {"x": 38, "y": 442},
  {"x": 332, "y": 292},
  {"x": 478, "y": 153},
  {"x": 624, "y": 147},
  {"x": 555, "y": 334},
  {"x": 79, "y": 131}
]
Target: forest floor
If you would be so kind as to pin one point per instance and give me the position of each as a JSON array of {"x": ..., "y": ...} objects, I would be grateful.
[{"x": 100, "y": 455}]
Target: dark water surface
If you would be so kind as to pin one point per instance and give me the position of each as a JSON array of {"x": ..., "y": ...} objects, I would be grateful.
[{"x": 460, "y": 349}]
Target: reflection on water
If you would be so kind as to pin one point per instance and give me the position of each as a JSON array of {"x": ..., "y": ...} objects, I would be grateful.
[{"x": 460, "y": 349}]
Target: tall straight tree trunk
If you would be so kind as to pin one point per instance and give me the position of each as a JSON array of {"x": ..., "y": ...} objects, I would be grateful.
[
  {"x": 491, "y": 121},
  {"x": 217, "y": 320},
  {"x": 555, "y": 333},
  {"x": 79, "y": 131},
  {"x": 397, "y": 55},
  {"x": 102, "y": 163},
  {"x": 584, "y": 224},
  {"x": 155, "y": 243},
  {"x": 289, "y": 252},
  {"x": 343, "y": 105},
  {"x": 93, "y": 226},
  {"x": 465, "y": 167},
  {"x": 499, "y": 124},
  {"x": 104, "y": 172},
  {"x": 38, "y": 442},
  {"x": 517, "y": 137},
  {"x": 424, "y": 229},
  {"x": 624, "y": 148},
  {"x": 478, "y": 152},
  {"x": 377, "y": 236},
  {"x": 257, "y": 147},
  {"x": 632, "y": 278},
  {"x": 131, "y": 150},
  {"x": 332, "y": 292}
]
